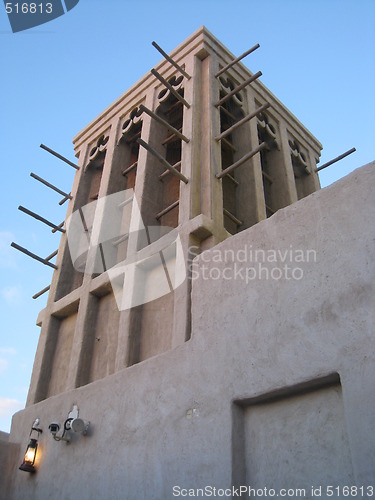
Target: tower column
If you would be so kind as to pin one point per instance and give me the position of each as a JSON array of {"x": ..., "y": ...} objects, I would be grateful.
[
  {"x": 291, "y": 190},
  {"x": 130, "y": 319}
]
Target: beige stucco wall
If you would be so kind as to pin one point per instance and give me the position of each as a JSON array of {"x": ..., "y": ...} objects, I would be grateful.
[{"x": 202, "y": 413}]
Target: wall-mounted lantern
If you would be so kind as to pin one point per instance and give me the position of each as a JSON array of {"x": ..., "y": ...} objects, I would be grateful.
[{"x": 28, "y": 464}]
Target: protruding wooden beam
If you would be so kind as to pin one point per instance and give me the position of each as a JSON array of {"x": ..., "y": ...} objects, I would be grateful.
[
  {"x": 170, "y": 138},
  {"x": 83, "y": 220},
  {"x": 134, "y": 137},
  {"x": 268, "y": 177},
  {"x": 122, "y": 238},
  {"x": 130, "y": 168},
  {"x": 162, "y": 160},
  {"x": 228, "y": 144},
  {"x": 227, "y": 113},
  {"x": 126, "y": 202},
  {"x": 41, "y": 219},
  {"x": 163, "y": 122},
  {"x": 232, "y": 179},
  {"x": 169, "y": 59},
  {"x": 242, "y": 121},
  {"x": 232, "y": 63},
  {"x": 51, "y": 186},
  {"x": 238, "y": 88},
  {"x": 173, "y": 107},
  {"x": 58, "y": 228},
  {"x": 166, "y": 210},
  {"x": 102, "y": 256},
  {"x": 241, "y": 161},
  {"x": 66, "y": 198},
  {"x": 232, "y": 217},
  {"x": 169, "y": 87},
  {"x": 52, "y": 255},
  {"x": 33, "y": 255},
  {"x": 338, "y": 158},
  {"x": 52, "y": 152},
  {"x": 37, "y": 295},
  {"x": 167, "y": 172}
]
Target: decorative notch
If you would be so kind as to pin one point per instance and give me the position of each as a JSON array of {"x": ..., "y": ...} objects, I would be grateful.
[
  {"x": 166, "y": 94},
  {"x": 227, "y": 86},
  {"x": 267, "y": 131},
  {"x": 97, "y": 153},
  {"x": 299, "y": 159},
  {"x": 131, "y": 125}
]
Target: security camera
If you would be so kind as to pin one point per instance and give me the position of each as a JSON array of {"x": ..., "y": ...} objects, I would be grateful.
[
  {"x": 79, "y": 425},
  {"x": 54, "y": 428}
]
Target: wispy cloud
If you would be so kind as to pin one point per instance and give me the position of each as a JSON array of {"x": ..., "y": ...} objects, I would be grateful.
[
  {"x": 9, "y": 406},
  {"x": 11, "y": 294},
  {"x": 3, "y": 365},
  {"x": 4, "y": 353},
  {"x": 7, "y": 255},
  {"x": 8, "y": 351}
]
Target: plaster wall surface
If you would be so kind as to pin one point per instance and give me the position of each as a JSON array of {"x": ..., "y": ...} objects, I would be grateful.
[
  {"x": 293, "y": 428},
  {"x": 183, "y": 418}
]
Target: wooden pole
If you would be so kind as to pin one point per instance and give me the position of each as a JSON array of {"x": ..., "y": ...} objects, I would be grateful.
[
  {"x": 52, "y": 255},
  {"x": 167, "y": 172},
  {"x": 232, "y": 217},
  {"x": 43, "y": 181},
  {"x": 126, "y": 202},
  {"x": 59, "y": 156},
  {"x": 32, "y": 255},
  {"x": 41, "y": 219},
  {"x": 232, "y": 63},
  {"x": 163, "y": 122},
  {"x": 169, "y": 59},
  {"x": 242, "y": 160},
  {"x": 58, "y": 227},
  {"x": 37, "y": 295},
  {"x": 122, "y": 238},
  {"x": 166, "y": 210},
  {"x": 169, "y": 86},
  {"x": 227, "y": 113},
  {"x": 83, "y": 220},
  {"x": 238, "y": 88},
  {"x": 242, "y": 121},
  {"x": 167, "y": 165},
  {"x": 66, "y": 198},
  {"x": 102, "y": 256},
  {"x": 347, "y": 153},
  {"x": 130, "y": 168}
]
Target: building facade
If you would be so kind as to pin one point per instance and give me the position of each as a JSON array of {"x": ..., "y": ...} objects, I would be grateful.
[{"x": 248, "y": 368}]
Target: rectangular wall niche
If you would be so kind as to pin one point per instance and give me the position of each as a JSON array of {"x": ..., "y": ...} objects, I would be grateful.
[
  {"x": 62, "y": 333},
  {"x": 104, "y": 337},
  {"x": 294, "y": 439},
  {"x": 153, "y": 321}
]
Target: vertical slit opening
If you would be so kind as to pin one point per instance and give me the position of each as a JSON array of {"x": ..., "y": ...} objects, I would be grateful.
[{"x": 230, "y": 113}]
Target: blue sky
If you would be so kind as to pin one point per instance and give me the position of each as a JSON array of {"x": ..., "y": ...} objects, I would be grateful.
[{"x": 316, "y": 56}]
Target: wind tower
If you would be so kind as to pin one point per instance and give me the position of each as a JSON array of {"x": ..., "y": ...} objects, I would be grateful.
[{"x": 206, "y": 149}]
